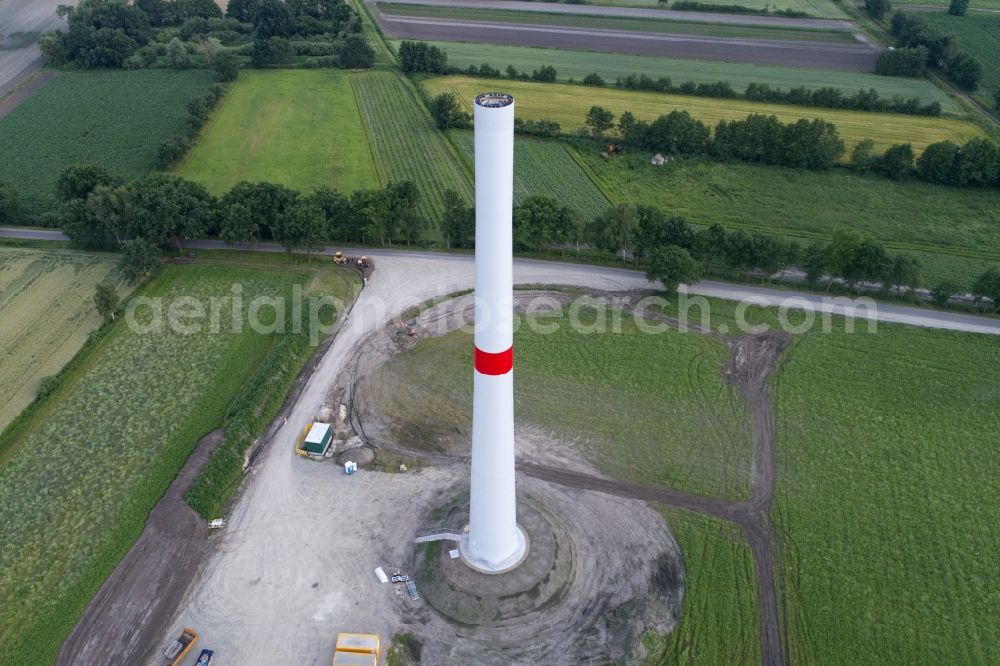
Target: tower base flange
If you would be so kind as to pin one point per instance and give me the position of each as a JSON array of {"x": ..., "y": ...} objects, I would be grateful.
[{"x": 503, "y": 566}]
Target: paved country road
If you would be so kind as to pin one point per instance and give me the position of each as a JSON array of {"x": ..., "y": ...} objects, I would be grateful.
[
  {"x": 816, "y": 55},
  {"x": 604, "y": 277},
  {"x": 638, "y": 12},
  {"x": 22, "y": 22}
]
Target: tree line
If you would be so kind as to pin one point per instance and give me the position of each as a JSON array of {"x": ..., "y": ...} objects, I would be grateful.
[
  {"x": 829, "y": 98},
  {"x": 674, "y": 251},
  {"x": 973, "y": 164},
  {"x": 132, "y": 35},
  {"x": 145, "y": 218},
  {"x": 811, "y": 144}
]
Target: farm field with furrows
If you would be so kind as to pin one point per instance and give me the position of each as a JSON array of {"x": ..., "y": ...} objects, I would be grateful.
[
  {"x": 546, "y": 168},
  {"x": 886, "y": 458},
  {"x": 718, "y": 622},
  {"x": 621, "y": 23},
  {"x": 46, "y": 312},
  {"x": 977, "y": 33},
  {"x": 405, "y": 143},
  {"x": 116, "y": 119},
  {"x": 610, "y": 66},
  {"x": 108, "y": 455},
  {"x": 300, "y": 128},
  {"x": 797, "y": 202},
  {"x": 568, "y": 105},
  {"x": 610, "y": 394}
]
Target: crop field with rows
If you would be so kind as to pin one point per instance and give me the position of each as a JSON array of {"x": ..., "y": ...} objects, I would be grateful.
[
  {"x": 610, "y": 394},
  {"x": 545, "y": 168},
  {"x": 405, "y": 143},
  {"x": 631, "y": 24},
  {"x": 116, "y": 119},
  {"x": 300, "y": 128},
  {"x": 46, "y": 312},
  {"x": 718, "y": 623},
  {"x": 610, "y": 66},
  {"x": 78, "y": 481},
  {"x": 568, "y": 105},
  {"x": 886, "y": 459}
]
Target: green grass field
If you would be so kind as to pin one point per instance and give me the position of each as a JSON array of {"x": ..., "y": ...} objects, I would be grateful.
[
  {"x": 818, "y": 8},
  {"x": 718, "y": 623},
  {"x": 46, "y": 312},
  {"x": 568, "y": 105},
  {"x": 546, "y": 168},
  {"x": 405, "y": 143},
  {"x": 577, "y": 64},
  {"x": 886, "y": 497},
  {"x": 621, "y": 23},
  {"x": 955, "y": 226},
  {"x": 115, "y": 119},
  {"x": 669, "y": 420},
  {"x": 300, "y": 128},
  {"x": 978, "y": 33},
  {"x": 78, "y": 479},
  {"x": 974, "y": 4}
]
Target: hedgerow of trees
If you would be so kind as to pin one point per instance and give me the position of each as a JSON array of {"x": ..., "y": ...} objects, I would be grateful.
[
  {"x": 911, "y": 30},
  {"x": 146, "y": 218}
]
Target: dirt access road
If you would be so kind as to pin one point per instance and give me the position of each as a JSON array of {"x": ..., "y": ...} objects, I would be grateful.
[
  {"x": 638, "y": 12},
  {"x": 22, "y": 22},
  {"x": 816, "y": 55}
]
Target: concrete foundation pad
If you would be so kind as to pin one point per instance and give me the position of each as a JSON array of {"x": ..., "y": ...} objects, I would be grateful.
[{"x": 467, "y": 595}]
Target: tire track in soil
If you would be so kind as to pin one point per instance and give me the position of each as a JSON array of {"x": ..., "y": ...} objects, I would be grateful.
[{"x": 752, "y": 358}]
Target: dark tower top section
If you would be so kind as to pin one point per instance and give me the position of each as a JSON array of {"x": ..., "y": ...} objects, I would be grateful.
[{"x": 494, "y": 100}]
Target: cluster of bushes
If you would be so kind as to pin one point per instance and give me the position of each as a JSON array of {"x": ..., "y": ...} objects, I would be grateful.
[
  {"x": 422, "y": 57},
  {"x": 173, "y": 150},
  {"x": 903, "y": 61},
  {"x": 975, "y": 164},
  {"x": 830, "y": 98},
  {"x": 148, "y": 33},
  {"x": 912, "y": 31},
  {"x": 283, "y": 29},
  {"x": 688, "y": 5},
  {"x": 812, "y": 144},
  {"x": 175, "y": 12},
  {"x": 145, "y": 218}
]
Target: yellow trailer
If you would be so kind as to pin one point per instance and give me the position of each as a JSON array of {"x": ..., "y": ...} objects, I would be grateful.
[{"x": 354, "y": 649}]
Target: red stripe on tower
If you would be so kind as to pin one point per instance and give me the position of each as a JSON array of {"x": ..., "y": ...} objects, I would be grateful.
[{"x": 494, "y": 364}]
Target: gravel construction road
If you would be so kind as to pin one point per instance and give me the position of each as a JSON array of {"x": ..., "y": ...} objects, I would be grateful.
[
  {"x": 22, "y": 22},
  {"x": 816, "y": 55},
  {"x": 637, "y": 12}
]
